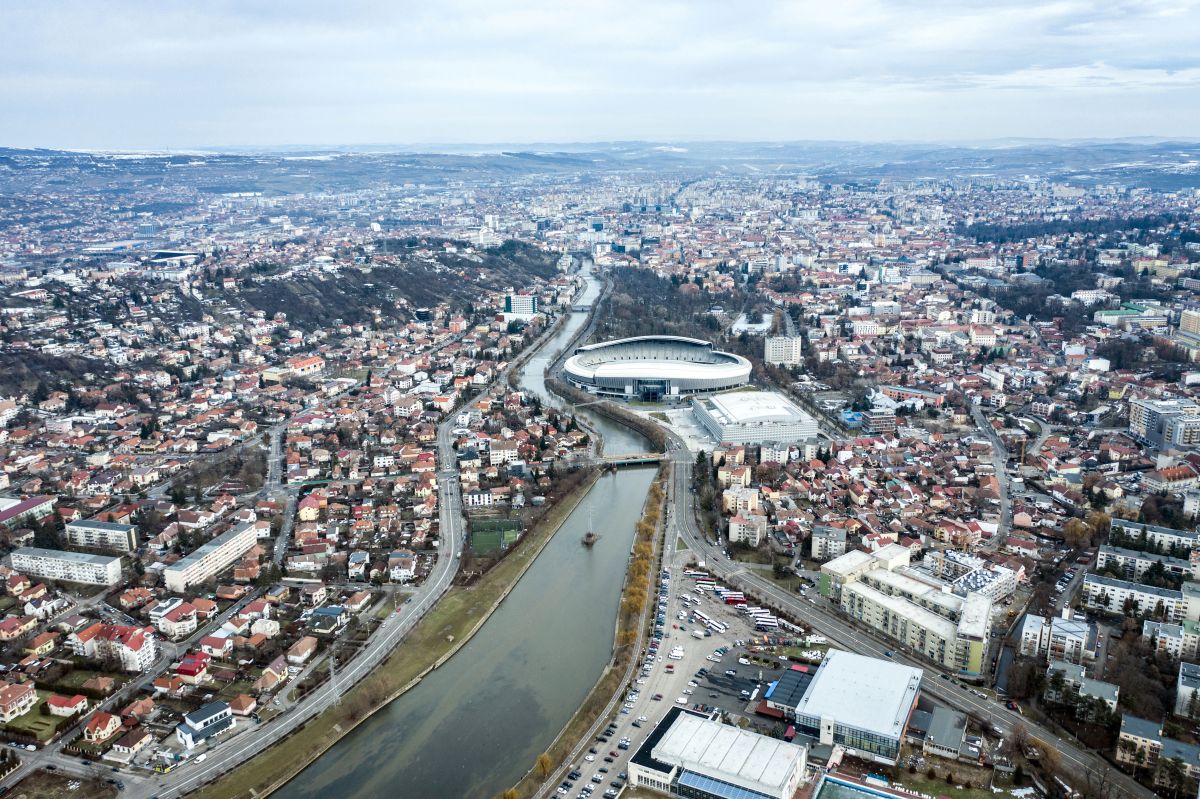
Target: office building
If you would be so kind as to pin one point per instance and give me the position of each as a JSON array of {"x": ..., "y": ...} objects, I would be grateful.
[
  {"x": 783, "y": 350},
  {"x": 211, "y": 558},
  {"x": 200, "y": 725},
  {"x": 102, "y": 535},
  {"x": 753, "y": 417},
  {"x": 692, "y": 756},
  {"x": 861, "y": 703},
  {"x": 519, "y": 307},
  {"x": 70, "y": 567}
]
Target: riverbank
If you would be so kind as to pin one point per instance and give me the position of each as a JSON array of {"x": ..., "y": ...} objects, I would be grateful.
[
  {"x": 447, "y": 627},
  {"x": 631, "y": 627}
]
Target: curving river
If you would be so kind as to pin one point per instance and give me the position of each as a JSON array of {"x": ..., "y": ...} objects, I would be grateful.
[{"x": 475, "y": 726}]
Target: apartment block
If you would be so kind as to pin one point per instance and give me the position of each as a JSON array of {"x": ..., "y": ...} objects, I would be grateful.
[
  {"x": 102, "y": 535},
  {"x": 211, "y": 558},
  {"x": 70, "y": 567}
]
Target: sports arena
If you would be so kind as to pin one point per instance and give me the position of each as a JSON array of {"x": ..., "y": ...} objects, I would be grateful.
[{"x": 651, "y": 368}]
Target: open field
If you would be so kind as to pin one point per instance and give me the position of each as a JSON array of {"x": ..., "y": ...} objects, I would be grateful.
[{"x": 49, "y": 785}]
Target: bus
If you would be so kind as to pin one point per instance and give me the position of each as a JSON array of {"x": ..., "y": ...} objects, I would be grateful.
[
  {"x": 701, "y": 616},
  {"x": 766, "y": 624},
  {"x": 693, "y": 573}
]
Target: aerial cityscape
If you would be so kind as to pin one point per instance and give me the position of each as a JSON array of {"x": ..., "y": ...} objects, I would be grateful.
[{"x": 794, "y": 415}]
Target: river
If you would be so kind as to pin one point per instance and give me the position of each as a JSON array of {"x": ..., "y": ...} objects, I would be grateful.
[{"x": 475, "y": 726}]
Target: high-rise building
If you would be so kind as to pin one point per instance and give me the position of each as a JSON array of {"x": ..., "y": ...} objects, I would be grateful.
[
  {"x": 784, "y": 350},
  {"x": 519, "y": 306},
  {"x": 1164, "y": 421}
]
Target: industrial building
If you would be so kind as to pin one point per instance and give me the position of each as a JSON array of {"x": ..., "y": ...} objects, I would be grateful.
[
  {"x": 652, "y": 368},
  {"x": 753, "y": 417},
  {"x": 690, "y": 755},
  {"x": 861, "y": 703},
  {"x": 102, "y": 535},
  {"x": 211, "y": 558},
  {"x": 70, "y": 567}
]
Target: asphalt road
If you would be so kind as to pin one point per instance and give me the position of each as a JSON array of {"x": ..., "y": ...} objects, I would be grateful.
[{"x": 821, "y": 616}]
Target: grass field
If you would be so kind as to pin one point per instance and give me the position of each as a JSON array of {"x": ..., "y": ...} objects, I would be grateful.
[
  {"x": 922, "y": 783},
  {"x": 35, "y": 722},
  {"x": 444, "y": 628}
]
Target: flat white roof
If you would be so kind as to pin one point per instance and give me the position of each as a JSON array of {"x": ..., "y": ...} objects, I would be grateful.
[
  {"x": 757, "y": 407},
  {"x": 864, "y": 693},
  {"x": 732, "y": 755}
]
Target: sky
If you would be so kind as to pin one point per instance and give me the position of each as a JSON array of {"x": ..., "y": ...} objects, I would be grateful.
[{"x": 175, "y": 74}]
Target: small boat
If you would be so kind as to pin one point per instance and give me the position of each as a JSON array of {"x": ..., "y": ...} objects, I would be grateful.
[{"x": 590, "y": 536}]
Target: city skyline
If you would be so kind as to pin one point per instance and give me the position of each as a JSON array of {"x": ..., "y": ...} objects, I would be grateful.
[{"x": 144, "y": 77}]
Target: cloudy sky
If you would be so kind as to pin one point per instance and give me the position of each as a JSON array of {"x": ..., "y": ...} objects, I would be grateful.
[{"x": 176, "y": 74}]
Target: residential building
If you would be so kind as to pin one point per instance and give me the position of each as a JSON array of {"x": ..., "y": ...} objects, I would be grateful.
[
  {"x": 16, "y": 699},
  {"x": 1187, "y": 686},
  {"x": 783, "y": 350},
  {"x": 102, "y": 535},
  {"x": 827, "y": 542},
  {"x": 1061, "y": 639},
  {"x": 211, "y": 558},
  {"x": 70, "y": 567},
  {"x": 1121, "y": 596}
]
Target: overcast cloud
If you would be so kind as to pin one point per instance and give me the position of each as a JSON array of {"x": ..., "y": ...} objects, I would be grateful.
[{"x": 124, "y": 75}]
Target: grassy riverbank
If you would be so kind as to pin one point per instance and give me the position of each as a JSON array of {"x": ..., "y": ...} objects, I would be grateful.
[
  {"x": 447, "y": 627},
  {"x": 637, "y": 594}
]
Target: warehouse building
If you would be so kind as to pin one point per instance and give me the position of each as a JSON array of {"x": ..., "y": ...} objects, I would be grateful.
[
  {"x": 211, "y": 558},
  {"x": 692, "y": 756},
  {"x": 102, "y": 535},
  {"x": 70, "y": 567},
  {"x": 861, "y": 703},
  {"x": 753, "y": 417}
]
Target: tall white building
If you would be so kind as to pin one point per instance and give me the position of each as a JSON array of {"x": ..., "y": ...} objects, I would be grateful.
[
  {"x": 211, "y": 558},
  {"x": 783, "y": 350},
  {"x": 102, "y": 535},
  {"x": 71, "y": 567}
]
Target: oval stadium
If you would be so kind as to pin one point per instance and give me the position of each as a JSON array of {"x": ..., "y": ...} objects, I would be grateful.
[{"x": 651, "y": 368}]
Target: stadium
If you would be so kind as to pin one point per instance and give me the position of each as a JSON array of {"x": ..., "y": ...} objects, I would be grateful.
[{"x": 651, "y": 368}]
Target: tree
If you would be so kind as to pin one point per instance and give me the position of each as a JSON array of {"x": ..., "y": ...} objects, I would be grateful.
[{"x": 544, "y": 764}]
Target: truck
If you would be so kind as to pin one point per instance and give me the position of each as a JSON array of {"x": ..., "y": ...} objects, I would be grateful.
[{"x": 697, "y": 634}]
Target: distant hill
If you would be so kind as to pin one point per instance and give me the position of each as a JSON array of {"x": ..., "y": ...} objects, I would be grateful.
[{"x": 1153, "y": 163}]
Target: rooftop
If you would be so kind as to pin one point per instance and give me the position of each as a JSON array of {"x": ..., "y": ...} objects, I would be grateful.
[
  {"x": 62, "y": 554},
  {"x": 735, "y": 756},
  {"x": 861, "y": 692},
  {"x": 753, "y": 407}
]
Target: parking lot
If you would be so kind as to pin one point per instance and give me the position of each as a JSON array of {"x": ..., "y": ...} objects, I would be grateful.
[{"x": 669, "y": 676}]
